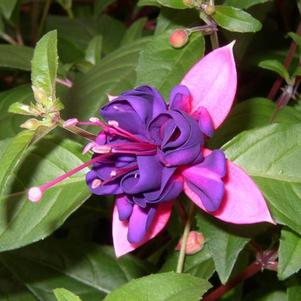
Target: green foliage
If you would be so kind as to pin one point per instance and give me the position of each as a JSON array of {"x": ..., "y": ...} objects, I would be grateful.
[
  {"x": 106, "y": 47},
  {"x": 289, "y": 254},
  {"x": 24, "y": 168},
  {"x": 199, "y": 264},
  {"x": 244, "y": 4},
  {"x": 223, "y": 245},
  {"x": 235, "y": 19},
  {"x": 162, "y": 287},
  {"x": 64, "y": 295},
  {"x": 162, "y": 66},
  {"x": 276, "y": 170},
  {"x": 275, "y": 66},
  {"x": 7, "y": 7},
  {"x": 45, "y": 64},
  {"x": 17, "y": 57}
]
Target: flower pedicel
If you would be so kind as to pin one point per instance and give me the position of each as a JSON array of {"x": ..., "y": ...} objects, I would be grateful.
[{"x": 148, "y": 152}]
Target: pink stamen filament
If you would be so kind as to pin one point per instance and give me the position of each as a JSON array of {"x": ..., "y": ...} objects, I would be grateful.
[{"x": 36, "y": 193}]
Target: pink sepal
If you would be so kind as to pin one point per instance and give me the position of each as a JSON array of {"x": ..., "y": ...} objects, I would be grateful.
[
  {"x": 120, "y": 229},
  {"x": 243, "y": 202},
  {"x": 212, "y": 83}
]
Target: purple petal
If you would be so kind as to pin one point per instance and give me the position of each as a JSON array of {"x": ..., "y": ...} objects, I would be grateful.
[
  {"x": 147, "y": 178},
  {"x": 107, "y": 189},
  {"x": 215, "y": 162},
  {"x": 210, "y": 191},
  {"x": 124, "y": 207},
  {"x": 205, "y": 122},
  {"x": 134, "y": 109},
  {"x": 180, "y": 99},
  {"x": 139, "y": 223}
]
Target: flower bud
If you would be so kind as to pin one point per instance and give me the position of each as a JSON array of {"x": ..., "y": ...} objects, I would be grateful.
[
  {"x": 178, "y": 38},
  {"x": 195, "y": 243},
  {"x": 209, "y": 9}
]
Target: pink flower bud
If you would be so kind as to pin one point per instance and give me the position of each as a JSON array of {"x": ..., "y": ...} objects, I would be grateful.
[
  {"x": 178, "y": 38},
  {"x": 195, "y": 243}
]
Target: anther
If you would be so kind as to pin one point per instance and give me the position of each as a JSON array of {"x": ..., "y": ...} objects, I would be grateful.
[
  {"x": 111, "y": 97},
  {"x": 94, "y": 119},
  {"x": 113, "y": 123},
  {"x": 102, "y": 149},
  {"x": 113, "y": 173},
  {"x": 96, "y": 183},
  {"x": 88, "y": 147},
  {"x": 70, "y": 123}
]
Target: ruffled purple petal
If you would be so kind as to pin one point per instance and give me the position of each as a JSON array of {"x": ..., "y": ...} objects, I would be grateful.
[
  {"x": 205, "y": 121},
  {"x": 180, "y": 99},
  {"x": 147, "y": 178},
  {"x": 134, "y": 109}
]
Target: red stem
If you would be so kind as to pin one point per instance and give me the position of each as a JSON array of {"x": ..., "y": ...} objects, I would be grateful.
[
  {"x": 288, "y": 60},
  {"x": 258, "y": 265},
  {"x": 250, "y": 271}
]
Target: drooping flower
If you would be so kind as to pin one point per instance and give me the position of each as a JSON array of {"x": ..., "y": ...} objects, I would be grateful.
[{"x": 148, "y": 152}]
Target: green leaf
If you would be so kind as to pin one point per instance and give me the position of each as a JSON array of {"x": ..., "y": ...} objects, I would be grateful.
[
  {"x": 17, "y": 57},
  {"x": 270, "y": 155},
  {"x": 10, "y": 123},
  {"x": 224, "y": 245},
  {"x": 297, "y": 72},
  {"x": 7, "y": 7},
  {"x": 23, "y": 168},
  {"x": 134, "y": 32},
  {"x": 12, "y": 156},
  {"x": 289, "y": 254},
  {"x": 275, "y": 66},
  {"x": 161, "y": 287},
  {"x": 148, "y": 3},
  {"x": 249, "y": 114},
  {"x": 295, "y": 37},
  {"x": 75, "y": 34},
  {"x": 244, "y": 4},
  {"x": 89, "y": 271},
  {"x": 178, "y": 4},
  {"x": 170, "y": 19},
  {"x": 162, "y": 66},
  {"x": 294, "y": 291},
  {"x": 93, "y": 52},
  {"x": 45, "y": 63},
  {"x": 113, "y": 74},
  {"x": 100, "y": 6},
  {"x": 64, "y": 295},
  {"x": 235, "y": 19},
  {"x": 199, "y": 264}
]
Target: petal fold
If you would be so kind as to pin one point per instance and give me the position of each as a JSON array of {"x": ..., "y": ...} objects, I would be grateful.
[
  {"x": 243, "y": 203},
  {"x": 212, "y": 83}
]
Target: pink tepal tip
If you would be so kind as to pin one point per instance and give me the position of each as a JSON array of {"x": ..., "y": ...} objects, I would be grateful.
[{"x": 35, "y": 194}]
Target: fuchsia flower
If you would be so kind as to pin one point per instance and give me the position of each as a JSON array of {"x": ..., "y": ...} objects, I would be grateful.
[{"x": 148, "y": 152}]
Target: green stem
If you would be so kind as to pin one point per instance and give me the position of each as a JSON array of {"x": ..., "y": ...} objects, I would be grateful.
[
  {"x": 44, "y": 16},
  {"x": 214, "y": 40},
  {"x": 181, "y": 259}
]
